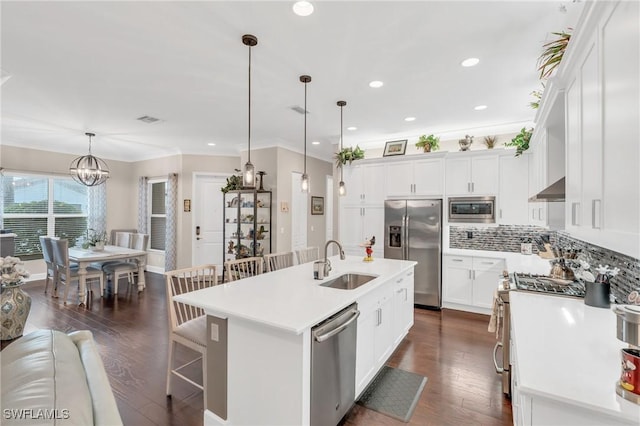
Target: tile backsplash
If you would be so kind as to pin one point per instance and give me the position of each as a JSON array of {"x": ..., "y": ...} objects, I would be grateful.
[
  {"x": 627, "y": 280},
  {"x": 508, "y": 238},
  {"x": 495, "y": 238}
]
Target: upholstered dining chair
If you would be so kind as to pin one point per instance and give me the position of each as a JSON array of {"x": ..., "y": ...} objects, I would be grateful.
[
  {"x": 276, "y": 261},
  {"x": 187, "y": 324},
  {"x": 307, "y": 255},
  {"x": 47, "y": 255},
  {"x": 116, "y": 269},
  {"x": 243, "y": 268},
  {"x": 66, "y": 274}
]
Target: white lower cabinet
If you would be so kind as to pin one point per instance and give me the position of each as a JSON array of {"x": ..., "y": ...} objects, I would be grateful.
[
  {"x": 469, "y": 283},
  {"x": 386, "y": 315}
]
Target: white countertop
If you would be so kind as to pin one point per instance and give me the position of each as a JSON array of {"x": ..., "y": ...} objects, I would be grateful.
[
  {"x": 516, "y": 262},
  {"x": 568, "y": 351},
  {"x": 291, "y": 299}
]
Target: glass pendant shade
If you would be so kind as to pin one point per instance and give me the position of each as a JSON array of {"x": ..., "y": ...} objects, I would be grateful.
[
  {"x": 304, "y": 183},
  {"x": 89, "y": 170},
  {"x": 249, "y": 176},
  {"x": 342, "y": 189}
]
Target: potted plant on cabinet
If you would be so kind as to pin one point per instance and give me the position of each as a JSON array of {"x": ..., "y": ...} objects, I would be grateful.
[
  {"x": 348, "y": 154},
  {"x": 521, "y": 141},
  {"x": 428, "y": 143}
]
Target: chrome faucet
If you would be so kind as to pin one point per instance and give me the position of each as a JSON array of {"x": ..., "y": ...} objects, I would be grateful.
[{"x": 321, "y": 268}]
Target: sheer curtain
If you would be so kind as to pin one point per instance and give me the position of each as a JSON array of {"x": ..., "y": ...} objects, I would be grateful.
[
  {"x": 170, "y": 255},
  {"x": 97, "y": 207},
  {"x": 143, "y": 197}
]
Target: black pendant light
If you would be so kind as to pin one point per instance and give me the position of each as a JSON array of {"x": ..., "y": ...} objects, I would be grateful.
[
  {"x": 89, "y": 170},
  {"x": 249, "y": 173},
  {"x": 342, "y": 189},
  {"x": 305, "y": 178}
]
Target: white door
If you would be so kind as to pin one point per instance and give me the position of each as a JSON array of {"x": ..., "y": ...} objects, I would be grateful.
[
  {"x": 207, "y": 223},
  {"x": 299, "y": 202}
]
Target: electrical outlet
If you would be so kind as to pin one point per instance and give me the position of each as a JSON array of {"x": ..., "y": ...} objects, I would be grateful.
[
  {"x": 215, "y": 333},
  {"x": 469, "y": 235}
]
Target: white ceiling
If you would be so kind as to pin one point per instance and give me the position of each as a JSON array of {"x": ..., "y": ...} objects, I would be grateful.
[{"x": 97, "y": 66}]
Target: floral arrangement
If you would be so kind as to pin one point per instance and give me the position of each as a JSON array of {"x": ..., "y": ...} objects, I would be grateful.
[
  {"x": 94, "y": 238},
  {"x": 12, "y": 272}
]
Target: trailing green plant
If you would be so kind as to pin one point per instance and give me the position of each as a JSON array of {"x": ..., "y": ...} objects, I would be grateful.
[
  {"x": 428, "y": 143},
  {"x": 521, "y": 141},
  {"x": 552, "y": 54},
  {"x": 490, "y": 141},
  {"x": 348, "y": 154},
  {"x": 233, "y": 182}
]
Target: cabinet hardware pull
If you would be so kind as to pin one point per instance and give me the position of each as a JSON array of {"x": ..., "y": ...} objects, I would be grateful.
[
  {"x": 487, "y": 263},
  {"x": 474, "y": 274},
  {"x": 468, "y": 186},
  {"x": 470, "y": 274},
  {"x": 406, "y": 295},
  {"x": 399, "y": 280},
  {"x": 399, "y": 290},
  {"x": 473, "y": 187},
  {"x": 500, "y": 213},
  {"x": 457, "y": 260},
  {"x": 409, "y": 273},
  {"x": 540, "y": 213},
  {"x": 574, "y": 214}
]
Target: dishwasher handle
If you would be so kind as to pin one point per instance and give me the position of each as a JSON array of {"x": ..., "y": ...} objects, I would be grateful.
[{"x": 325, "y": 336}]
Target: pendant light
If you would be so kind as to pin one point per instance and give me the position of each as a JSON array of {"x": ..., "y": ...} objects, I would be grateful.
[
  {"x": 342, "y": 189},
  {"x": 89, "y": 170},
  {"x": 305, "y": 178},
  {"x": 249, "y": 174}
]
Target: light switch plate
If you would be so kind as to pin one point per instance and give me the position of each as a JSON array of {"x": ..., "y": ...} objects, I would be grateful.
[{"x": 215, "y": 333}]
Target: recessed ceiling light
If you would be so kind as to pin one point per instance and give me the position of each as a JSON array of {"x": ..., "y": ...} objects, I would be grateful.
[
  {"x": 211, "y": 144},
  {"x": 376, "y": 84},
  {"x": 410, "y": 119},
  {"x": 315, "y": 143},
  {"x": 480, "y": 107},
  {"x": 352, "y": 128},
  {"x": 302, "y": 8},
  {"x": 470, "y": 62}
]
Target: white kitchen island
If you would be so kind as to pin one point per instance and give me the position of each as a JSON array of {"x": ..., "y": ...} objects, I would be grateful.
[{"x": 260, "y": 336}]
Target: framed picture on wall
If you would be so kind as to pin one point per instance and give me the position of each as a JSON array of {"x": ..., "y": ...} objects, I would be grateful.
[
  {"x": 395, "y": 148},
  {"x": 317, "y": 205}
]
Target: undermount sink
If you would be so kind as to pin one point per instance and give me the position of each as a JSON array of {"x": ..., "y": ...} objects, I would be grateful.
[{"x": 349, "y": 281}]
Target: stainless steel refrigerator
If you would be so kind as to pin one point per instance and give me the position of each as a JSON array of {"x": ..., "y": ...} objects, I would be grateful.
[{"x": 413, "y": 231}]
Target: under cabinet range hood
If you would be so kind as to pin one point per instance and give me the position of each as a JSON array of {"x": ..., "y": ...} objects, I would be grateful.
[{"x": 554, "y": 192}]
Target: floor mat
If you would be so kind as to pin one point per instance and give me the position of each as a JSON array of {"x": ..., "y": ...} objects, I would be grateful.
[{"x": 394, "y": 392}]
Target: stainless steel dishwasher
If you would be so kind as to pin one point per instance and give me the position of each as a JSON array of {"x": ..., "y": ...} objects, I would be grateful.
[{"x": 333, "y": 367}]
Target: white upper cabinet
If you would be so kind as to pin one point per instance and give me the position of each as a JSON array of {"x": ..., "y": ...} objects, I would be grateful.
[
  {"x": 602, "y": 112},
  {"x": 513, "y": 201},
  {"x": 417, "y": 177},
  {"x": 365, "y": 184},
  {"x": 472, "y": 175}
]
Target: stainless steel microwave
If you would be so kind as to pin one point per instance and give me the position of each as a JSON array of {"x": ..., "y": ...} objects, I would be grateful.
[{"x": 472, "y": 209}]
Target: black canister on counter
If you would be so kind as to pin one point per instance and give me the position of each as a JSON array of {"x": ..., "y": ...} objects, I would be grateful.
[{"x": 597, "y": 293}]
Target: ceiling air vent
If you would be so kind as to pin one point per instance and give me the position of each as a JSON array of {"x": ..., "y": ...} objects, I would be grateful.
[
  {"x": 148, "y": 119},
  {"x": 299, "y": 110}
]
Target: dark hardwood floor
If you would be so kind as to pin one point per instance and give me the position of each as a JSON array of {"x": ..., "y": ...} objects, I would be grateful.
[{"x": 452, "y": 349}]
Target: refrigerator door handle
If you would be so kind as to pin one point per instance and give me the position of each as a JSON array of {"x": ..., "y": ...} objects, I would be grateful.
[{"x": 406, "y": 237}]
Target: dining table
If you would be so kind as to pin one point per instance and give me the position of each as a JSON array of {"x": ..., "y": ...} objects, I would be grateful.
[{"x": 84, "y": 257}]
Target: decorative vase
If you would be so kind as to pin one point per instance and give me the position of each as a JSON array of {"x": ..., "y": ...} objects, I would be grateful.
[
  {"x": 98, "y": 247},
  {"x": 427, "y": 148},
  {"x": 15, "y": 305}
]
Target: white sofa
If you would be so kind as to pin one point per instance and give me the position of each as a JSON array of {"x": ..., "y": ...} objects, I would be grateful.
[{"x": 53, "y": 378}]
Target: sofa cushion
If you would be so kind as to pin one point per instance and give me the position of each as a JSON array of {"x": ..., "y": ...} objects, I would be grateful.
[{"x": 44, "y": 379}]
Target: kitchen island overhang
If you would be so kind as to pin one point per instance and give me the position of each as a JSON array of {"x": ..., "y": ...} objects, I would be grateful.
[{"x": 268, "y": 320}]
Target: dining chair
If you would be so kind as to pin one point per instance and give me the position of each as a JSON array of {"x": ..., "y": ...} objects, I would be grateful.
[
  {"x": 243, "y": 268},
  {"x": 276, "y": 261},
  {"x": 117, "y": 269},
  {"x": 307, "y": 255},
  {"x": 187, "y": 323},
  {"x": 66, "y": 274},
  {"x": 47, "y": 255}
]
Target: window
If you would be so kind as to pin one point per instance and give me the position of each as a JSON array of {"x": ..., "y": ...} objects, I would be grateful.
[
  {"x": 33, "y": 206},
  {"x": 158, "y": 217}
]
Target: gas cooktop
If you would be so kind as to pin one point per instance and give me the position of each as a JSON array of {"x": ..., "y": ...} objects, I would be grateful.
[{"x": 547, "y": 284}]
